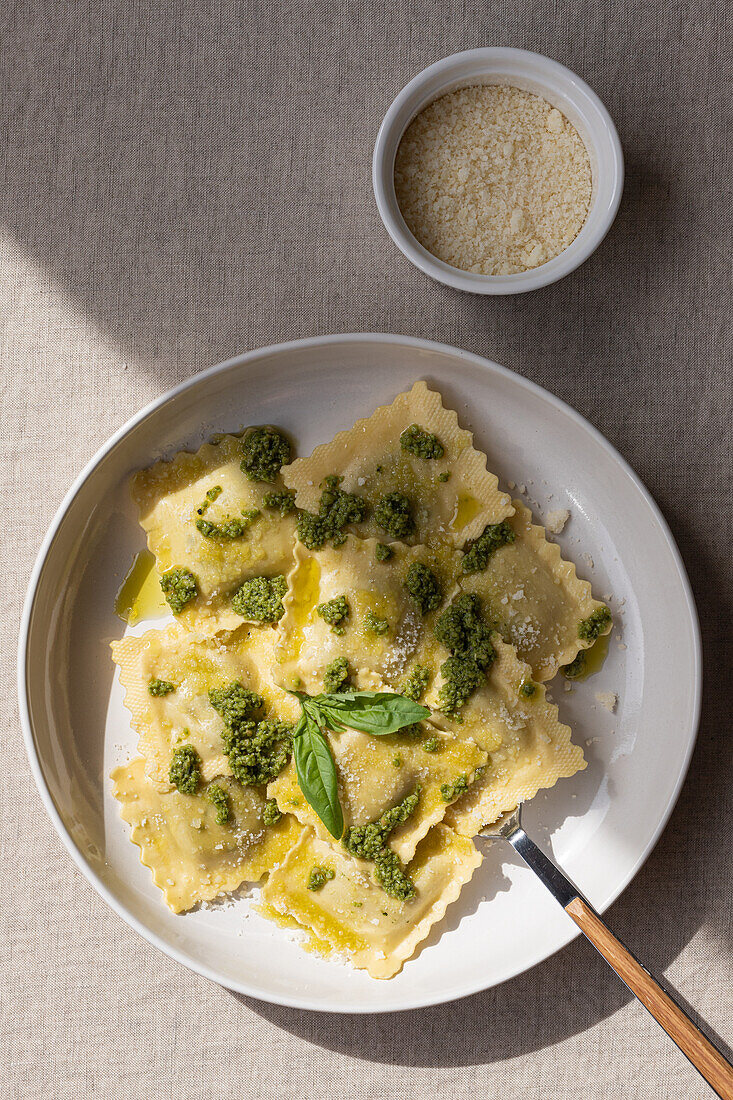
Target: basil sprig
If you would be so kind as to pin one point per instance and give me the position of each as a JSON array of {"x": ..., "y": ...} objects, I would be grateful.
[{"x": 374, "y": 712}]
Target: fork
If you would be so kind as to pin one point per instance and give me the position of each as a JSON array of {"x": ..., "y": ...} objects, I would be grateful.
[{"x": 705, "y": 1057}]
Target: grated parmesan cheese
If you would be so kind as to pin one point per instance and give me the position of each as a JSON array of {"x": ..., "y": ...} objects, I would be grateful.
[{"x": 493, "y": 180}]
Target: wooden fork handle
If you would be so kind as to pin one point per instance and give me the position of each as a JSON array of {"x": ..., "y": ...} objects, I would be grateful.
[{"x": 678, "y": 1025}]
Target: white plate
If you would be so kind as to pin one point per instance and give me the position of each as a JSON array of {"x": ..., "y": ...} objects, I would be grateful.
[{"x": 603, "y": 823}]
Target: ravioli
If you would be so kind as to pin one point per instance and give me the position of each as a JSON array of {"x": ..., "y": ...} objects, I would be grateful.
[
  {"x": 376, "y": 773},
  {"x": 384, "y": 630},
  {"x": 170, "y": 496},
  {"x": 535, "y": 597},
  {"x": 452, "y": 497},
  {"x": 191, "y": 856},
  {"x": 193, "y": 665},
  {"x": 354, "y": 916},
  {"x": 529, "y": 748}
]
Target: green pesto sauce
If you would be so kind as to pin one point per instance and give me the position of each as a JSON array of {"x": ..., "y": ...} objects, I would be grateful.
[
  {"x": 449, "y": 792},
  {"x": 416, "y": 441},
  {"x": 445, "y": 476},
  {"x": 219, "y": 797},
  {"x": 493, "y": 537},
  {"x": 465, "y": 634},
  {"x": 230, "y": 528},
  {"x": 260, "y": 599},
  {"x": 376, "y": 625},
  {"x": 595, "y": 625},
  {"x": 282, "y": 500},
  {"x": 258, "y": 751},
  {"x": 576, "y": 668},
  {"x": 271, "y": 812},
  {"x": 370, "y": 842},
  {"x": 397, "y": 760},
  {"x": 179, "y": 588},
  {"x": 160, "y": 687},
  {"x": 393, "y": 514},
  {"x": 423, "y": 587},
  {"x": 185, "y": 770},
  {"x": 431, "y": 745},
  {"x": 336, "y": 510},
  {"x": 527, "y": 689},
  {"x": 415, "y": 684},
  {"x": 334, "y": 612},
  {"x": 336, "y": 676},
  {"x": 264, "y": 452},
  {"x": 382, "y": 552},
  {"x": 319, "y": 876},
  {"x": 236, "y": 703}
]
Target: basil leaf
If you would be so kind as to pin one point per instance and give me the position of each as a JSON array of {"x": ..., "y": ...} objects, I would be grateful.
[
  {"x": 375, "y": 712},
  {"x": 316, "y": 773}
]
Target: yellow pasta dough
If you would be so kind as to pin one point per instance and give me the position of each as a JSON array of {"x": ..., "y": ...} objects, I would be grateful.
[
  {"x": 384, "y": 630},
  {"x": 372, "y": 463},
  {"x": 193, "y": 858},
  {"x": 170, "y": 495},
  {"x": 535, "y": 597},
  {"x": 354, "y": 916}
]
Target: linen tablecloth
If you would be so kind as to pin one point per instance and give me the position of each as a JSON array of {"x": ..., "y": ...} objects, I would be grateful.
[{"x": 182, "y": 182}]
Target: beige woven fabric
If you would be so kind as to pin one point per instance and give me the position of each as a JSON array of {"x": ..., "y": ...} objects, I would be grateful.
[{"x": 183, "y": 181}]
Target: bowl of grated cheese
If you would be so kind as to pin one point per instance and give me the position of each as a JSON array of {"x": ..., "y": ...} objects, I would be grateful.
[{"x": 497, "y": 171}]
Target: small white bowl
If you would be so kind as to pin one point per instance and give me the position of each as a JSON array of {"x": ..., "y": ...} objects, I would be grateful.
[{"x": 532, "y": 73}]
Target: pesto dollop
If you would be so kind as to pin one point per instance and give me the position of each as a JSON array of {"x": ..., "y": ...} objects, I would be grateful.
[
  {"x": 319, "y": 876},
  {"x": 236, "y": 703},
  {"x": 336, "y": 676},
  {"x": 220, "y": 799},
  {"x": 260, "y": 599},
  {"x": 334, "y": 612},
  {"x": 336, "y": 510},
  {"x": 423, "y": 587},
  {"x": 596, "y": 624},
  {"x": 527, "y": 689},
  {"x": 370, "y": 842},
  {"x": 382, "y": 552},
  {"x": 449, "y": 792},
  {"x": 493, "y": 536},
  {"x": 179, "y": 588},
  {"x": 271, "y": 812},
  {"x": 375, "y": 625},
  {"x": 576, "y": 668},
  {"x": 431, "y": 745},
  {"x": 230, "y": 528},
  {"x": 416, "y": 441},
  {"x": 393, "y": 514},
  {"x": 185, "y": 769},
  {"x": 160, "y": 687},
  {"x": 257, "y": 749},
  {"x": 445, "y": 476},
  {"x": 282, "y": 500},
  {"x": 264, "y": 452},
  {"x": 415, "y": 684},
  {"x": 257, "y": 752},
  {"x": 464, "y": 633}
]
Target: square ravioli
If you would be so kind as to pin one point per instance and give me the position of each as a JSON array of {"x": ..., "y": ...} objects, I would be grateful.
[
  {"x": 418, "y": 473},
  {"x": 534, "y": 596},
  {"x": 345, "y": 603},
  {"x": 210, "y": 529},
  {"x": 510, "y": 716},
  {"x": 377, "y": 773},
  {"x": 353, "y": 915},
  {"x": 181, "y": 668},
  {"x": 192, "y": 856}
]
